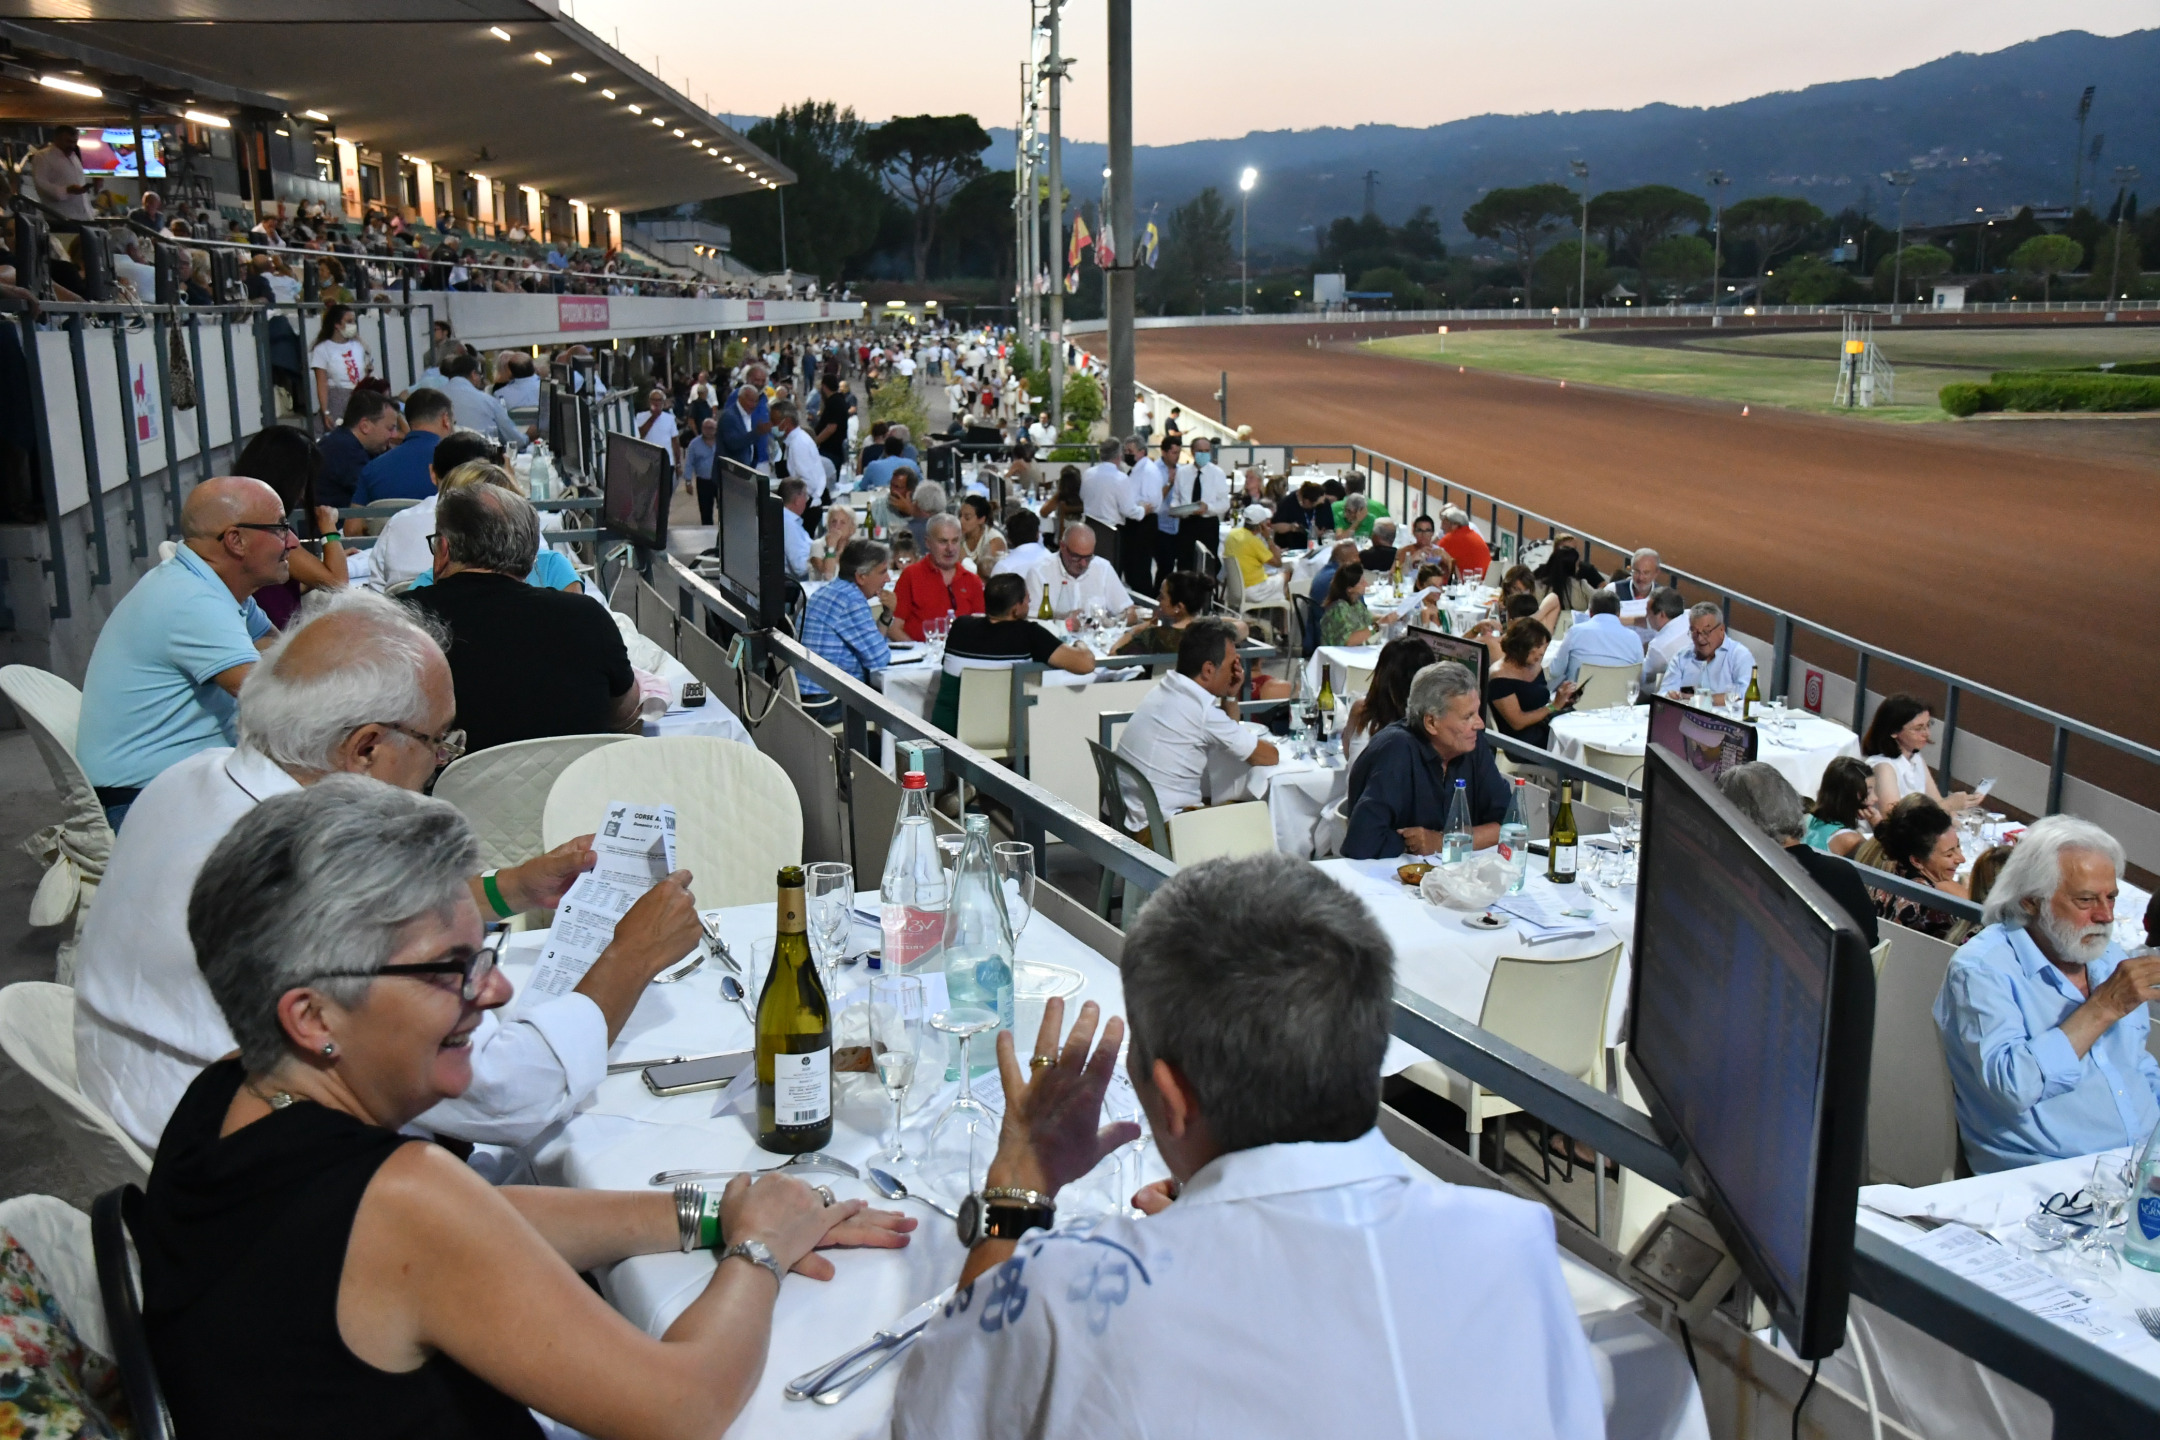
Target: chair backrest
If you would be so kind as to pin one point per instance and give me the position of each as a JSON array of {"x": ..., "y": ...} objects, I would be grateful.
[
  {"x": 986, "y": 708},
  {"x": 656, "y": 617},
  {"x": 1112, "y": 773},
  {"x": 44, "y": 699},
  {"x": 1217, "y": 831},
  {"x": 1357, "y": 679},
  {"x": 111, "y": 1216},
  {"x": 1880, "y": 953},
  {"x": 1604, "y": 685},
  {"x": 1912, "y": 1108},
  {"x": 1233, "y": 588},
  {"x": 737, "y": 818},
  {"x": 37, "y": 1032},
  {"x": 503, "y": 790},
  {"x": 623, "y": 599},
  {"x": 1612, "y": 762},
  {"x": 1555, "y": 1009},
  {"x": 50, "y": 709}
]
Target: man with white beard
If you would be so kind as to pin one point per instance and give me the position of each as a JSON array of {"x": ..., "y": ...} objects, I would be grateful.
[{"x": 2043, "y": 1017}]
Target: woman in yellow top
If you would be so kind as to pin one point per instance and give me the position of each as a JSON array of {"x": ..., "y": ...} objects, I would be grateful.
[{"x": 1252, "y": 548}]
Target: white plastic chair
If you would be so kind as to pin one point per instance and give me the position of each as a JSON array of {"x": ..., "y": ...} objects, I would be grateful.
[
  {"x": 37, "y": 1032},
  {"x": 737, "y": 817},
  {"x": 1357, "y": 680},
  {"x": 1274, "y": 614},
  {"x": 503, "y": 790},
  {"x": 985, "y": 718},
  {"x": 75, "y": 850},
  {"x": 1215, "y": 832},
  {"x": 1912, "y": 1106},
  {"x": 1614, "y": 763},
  {"x": 1604, "y": 685}
]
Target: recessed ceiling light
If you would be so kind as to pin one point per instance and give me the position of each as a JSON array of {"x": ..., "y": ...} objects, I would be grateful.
[
  {"x": 695, "y": 144},
  {"x": 72, "y": 87},
  {"x": 658, "y": 121},
  {"x": 204, "y": 117},
  {"x": 574, "y": 75},
  {"x": 678, "y": 134},
  {"x": 608, "y": 93},
  {"x": 498, "y": 32},
  {"x": 543, "y": 57},
  {"x": 316, "y": 115},
  {"x": 637, "y": 109}
]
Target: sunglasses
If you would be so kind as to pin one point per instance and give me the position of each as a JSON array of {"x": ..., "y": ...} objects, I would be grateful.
[{"x": 474, "y": 969}]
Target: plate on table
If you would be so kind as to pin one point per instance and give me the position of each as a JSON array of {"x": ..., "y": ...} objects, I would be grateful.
[{"x": 1485, "y": 920}]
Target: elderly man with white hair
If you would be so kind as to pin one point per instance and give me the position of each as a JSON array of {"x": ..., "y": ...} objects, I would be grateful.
[
  {"x": 1643, "y": 576},
  {"x": 2043, "y": 1019},
  {"x": 356, "y": 688}
]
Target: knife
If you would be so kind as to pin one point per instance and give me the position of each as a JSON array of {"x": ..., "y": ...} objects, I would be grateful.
[{"x": 832, "y": 1376}]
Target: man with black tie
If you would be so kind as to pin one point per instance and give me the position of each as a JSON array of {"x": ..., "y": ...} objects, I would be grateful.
[
  {"x": 1145, "y": 480},
  {"x": 1176, "y": 533}
]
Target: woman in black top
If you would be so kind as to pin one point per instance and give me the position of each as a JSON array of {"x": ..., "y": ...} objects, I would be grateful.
[
  {"x": 1522, "y": 706},
  {"x": 307, "y": 1269}
]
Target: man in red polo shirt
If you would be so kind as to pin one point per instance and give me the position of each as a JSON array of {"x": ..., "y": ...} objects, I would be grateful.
[
  {"x": 938, "y": 584},
  {"x": 1461, "y": 540}
]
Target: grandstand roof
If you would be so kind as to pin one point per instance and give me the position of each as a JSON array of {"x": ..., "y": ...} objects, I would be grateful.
[{"x": 438, "y": 80}]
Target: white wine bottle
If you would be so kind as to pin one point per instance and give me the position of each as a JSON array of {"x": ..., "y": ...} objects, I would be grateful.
[
  {"x": 794, "y": 1036},
  {"x": 1749, "y": 701},
  {"x": 1560, "y": 857}
]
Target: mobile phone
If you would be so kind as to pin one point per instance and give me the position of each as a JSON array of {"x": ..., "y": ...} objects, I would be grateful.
[
  {"x": 693, "y": 693},
  {"x": 708, "y": 1072},
  {"x": 1984, "y": 786}
]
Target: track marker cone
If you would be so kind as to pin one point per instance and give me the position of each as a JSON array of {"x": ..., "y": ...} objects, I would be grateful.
[
  {"x": 1563, "y": 384},
  {"x": 1743, "y": 412}
]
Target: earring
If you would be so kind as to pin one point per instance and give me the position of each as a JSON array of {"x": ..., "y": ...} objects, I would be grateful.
[{"x": 328, "y": 1049}]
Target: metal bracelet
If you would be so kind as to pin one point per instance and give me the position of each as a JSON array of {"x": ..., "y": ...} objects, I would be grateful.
[{"x": 689, "y": 1211}]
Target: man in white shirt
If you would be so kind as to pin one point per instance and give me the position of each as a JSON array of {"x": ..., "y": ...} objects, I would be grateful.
[
  {"x": 1076, "y": 577},
  {"x": 1666, "y": 624},
  {"x": 799, "y": 450},
  {"x": 1716, "y": 667},
  {"x": 1185, "y": 736},
  {"x": 402, "y": 551},
  {"x": 1599, "y": 640},
  {"x": 1145, "y": 480},
  {"x": 57, "y": 171},
  {"x": 1294, "y": 1277},
  {"x": 1105, "y": 501},
  {"x": 794, "y": 538},
  {"x": 1024, "y": 550},
  {"x": 356, "y": 688}
]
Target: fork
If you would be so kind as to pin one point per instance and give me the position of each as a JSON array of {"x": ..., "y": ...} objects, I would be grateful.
[
  {"x": 719, "y": 946},
  {"x": 2149, "y": 1317}
]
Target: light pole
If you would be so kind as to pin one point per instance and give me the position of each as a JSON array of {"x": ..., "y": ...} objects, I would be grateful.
[
  {"x": 1244, "y": 185},
  {"x": 1902, "y": 180},
  {"x": 2125, "y": 177},
  {"x": 1580, "y": 169},
  {"x": 1717, "y": 180},
  {"x": 1054, "y": 69}
]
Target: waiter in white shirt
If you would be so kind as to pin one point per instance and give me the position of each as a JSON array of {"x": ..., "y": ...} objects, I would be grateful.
[
  {"x": 1075, "y": 577},
  {"x": 1212, "y": 488},
  {"x": 57, "y": 171},
  {"x": 1176, "y": 533},
  {"x": 1104, "y": 499},
  {"x": 1293, "y": 1278},
  {"x": 1145, "y": 478},
  {"x": 354, "y": 688}
]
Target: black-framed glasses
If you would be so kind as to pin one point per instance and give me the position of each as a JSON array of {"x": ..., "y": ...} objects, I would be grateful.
[
  {"x": 448, "y": 746},
  {"x": 474, "y": 969},
  {"x": 281, "y": 527}
]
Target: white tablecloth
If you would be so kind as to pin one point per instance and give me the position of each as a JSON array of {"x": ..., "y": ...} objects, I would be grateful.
[
  {"x": 1297, "y": 791},
  {"x": 711, "y": 718},
  {"x": 1800, "y": 757}
]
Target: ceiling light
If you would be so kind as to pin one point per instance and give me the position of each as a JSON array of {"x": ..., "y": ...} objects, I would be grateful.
[
  {"x": 637, "y": 109},
  {"x": 678, "y": 134},
  {"x": 543, "y": 57},
  {"x": 204, "y": 117},
  {"x": 608, "y": 93},
  {"x": 73, "y": 87},
  {"x": 498, "y": 32},
  {"x": 577, "y": 77},
  {"x": 660, "y": 122},
  {"x": 316, "y": 115},
  {"x": 285, "y": 132},
  {"x": 694, "y": 144}
]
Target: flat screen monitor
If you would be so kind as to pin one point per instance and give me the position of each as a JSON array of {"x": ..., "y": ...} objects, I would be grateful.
[
  {"x": 741, "y": 493},
  {"x": 566, "y": 431},
  {"x": 1711, "y": 743},
  {"x": 1753, "y": 1007},
  {"x": 112, "y": 152},
  {"x": 636, "y": 490},
  {"x": 1470, "y": 654}
]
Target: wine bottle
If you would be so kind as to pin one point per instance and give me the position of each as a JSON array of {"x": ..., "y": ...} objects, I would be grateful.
[
  {"x": 1749, "y": 701},
  {"x": 1043, "y": 611},
  {"x": 1326, "y": 708},
  {"x": 794, "y": 1036},
  {"x": 1560, "y": 859}
]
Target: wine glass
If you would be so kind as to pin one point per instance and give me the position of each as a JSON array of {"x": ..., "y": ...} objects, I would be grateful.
[
  {"x": 1014, "y": 863},
  {"x": 1121, "y": 1102},
  {"x": 962, "y": 1140},
  {"x": 896, "y": 1044},
  {"x": 832, "y": 906}
]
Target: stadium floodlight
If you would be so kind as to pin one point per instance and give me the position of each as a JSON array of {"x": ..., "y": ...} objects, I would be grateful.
[
  {"x": 1245, "y": 182},
  {"x": 1902, "y": 181},
  {"x": 204, "y": 117},
  {"x": 1580, "y": 169},
  {"x": 1717, "y": 180},
  {"x": 2125, "y": 177}
]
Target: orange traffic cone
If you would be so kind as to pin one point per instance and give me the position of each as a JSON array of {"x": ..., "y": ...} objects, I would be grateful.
[{"x": 1743, "y": 412}]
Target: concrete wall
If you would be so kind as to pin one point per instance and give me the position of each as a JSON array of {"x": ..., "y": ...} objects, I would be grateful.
[{"x": 491, "y": 320}]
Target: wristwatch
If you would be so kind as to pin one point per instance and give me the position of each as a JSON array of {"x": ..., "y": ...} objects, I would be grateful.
[
  {"x": 757, "y": 1252},
  {"x": 1004, "y": 1213}
]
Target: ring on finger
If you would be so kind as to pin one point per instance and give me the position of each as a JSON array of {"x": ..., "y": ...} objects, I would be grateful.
[
  {"x": 1041, "y": 1062},
  {"x": 824, "y": 1194}
]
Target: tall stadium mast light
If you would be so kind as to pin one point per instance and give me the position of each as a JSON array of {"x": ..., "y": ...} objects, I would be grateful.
[
  {"x": 1903, "y": 181},
  {"x": 1245, "y": 182},
  {"x": 1580, "y": 169},
  {"x": 1717, "y": 180}
]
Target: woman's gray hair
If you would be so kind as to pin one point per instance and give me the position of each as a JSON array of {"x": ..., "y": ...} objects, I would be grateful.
[
  {"x": 299, "y": 716},
  {"x": 489, "y": 528},
  {"x": 860, "y": 557},
  {"x": 1436, "y": 687},
  {"x": 2034, "y": 869},
  {"x": 315, "y": 882},
  {"x": 1767, "y": 798},
  {"x": 1281, "y": 1040}
]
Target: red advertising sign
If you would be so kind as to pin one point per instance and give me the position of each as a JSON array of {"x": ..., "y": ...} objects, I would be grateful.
[
  {"x": 824, "y": 309},
  {"x": 1811, "y": 692},
  {"x": 581, "y": 312},
  {"x": 757, "y": 309}
]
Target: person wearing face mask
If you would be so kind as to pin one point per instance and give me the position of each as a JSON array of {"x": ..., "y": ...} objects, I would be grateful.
[
  {"x": 2043, "y": 1017},
  {"x": 340, "y": 360}
]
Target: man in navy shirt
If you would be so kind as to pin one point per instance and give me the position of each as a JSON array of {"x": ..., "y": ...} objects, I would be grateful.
[
  {"x": 1400, "y": 788},
  {"x": 402, "y": 473},
  {"x": 370, "y": 421}
]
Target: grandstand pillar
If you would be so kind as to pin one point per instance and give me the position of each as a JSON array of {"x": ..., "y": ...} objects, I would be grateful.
[
  {"x": 1055, "y": 69},
  {"x": 1118, "y": 407}
]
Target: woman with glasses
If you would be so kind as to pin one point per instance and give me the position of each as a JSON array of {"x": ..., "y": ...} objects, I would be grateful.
[
  {"x": 308, "y": 1266},
  {"x": 1894, "y": 744}
]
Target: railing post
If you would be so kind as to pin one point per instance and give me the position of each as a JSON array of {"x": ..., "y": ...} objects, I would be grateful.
[
  {"x": 202, "y": 404},
  {"x": 56, "y": 534},
  {"x": 162, "y": 338},
  {"x": 1859, "y": 694},
  {"x": 93, "y": 480},
  {"x": 265, "y": 377},
  {"x": 1781, "y": 656},
  {"x": 141, "y": 544},
  {"x": 232, "y": 383},
  {"x": 2058, "y": 761},
  {"x": 1949, "y": 739}
]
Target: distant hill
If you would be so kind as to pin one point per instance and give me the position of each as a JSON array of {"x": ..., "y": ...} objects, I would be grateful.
[{"x": 1980, "y": 130}]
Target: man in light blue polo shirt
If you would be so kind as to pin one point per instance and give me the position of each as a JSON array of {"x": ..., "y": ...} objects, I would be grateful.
[
  {"x": 1717, "y": 666},
  {"x": 2043, "y": 1019},
  {"x": 1599, "y": 640},
  {"x": 475, "y": 408},
  {"x": 172, "y": 655}
]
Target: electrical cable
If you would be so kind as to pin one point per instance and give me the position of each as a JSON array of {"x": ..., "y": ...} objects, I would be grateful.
[
  {"x": 1805, "y": 1391},
  {"x": 1867, "y": 1377},
  {"x": 1688, "y": 1342}
]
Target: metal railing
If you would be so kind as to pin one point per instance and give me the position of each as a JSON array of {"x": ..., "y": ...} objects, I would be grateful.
[{"x": 1562, "y": 315}]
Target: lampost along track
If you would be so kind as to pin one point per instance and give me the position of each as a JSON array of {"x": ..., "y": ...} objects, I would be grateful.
[{"x": 2020, "y": 555}]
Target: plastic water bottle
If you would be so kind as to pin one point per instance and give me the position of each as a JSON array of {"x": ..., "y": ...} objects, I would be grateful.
[
  {"x": 2141, "y": 1232},
  {"x": 1515, "y": 840},
  {"x": 978, "y": 952},
  {"x": 540, "y": 473},
  {"x": 1455, "y": 840},
  {"x": 913, "y": 896}
]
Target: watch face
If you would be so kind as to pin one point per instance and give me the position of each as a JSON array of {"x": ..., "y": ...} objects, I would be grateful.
[{"x": 970, "y": 1220}]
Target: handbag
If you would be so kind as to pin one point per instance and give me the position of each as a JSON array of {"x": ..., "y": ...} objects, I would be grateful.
[{"x": 182, "y": 382}]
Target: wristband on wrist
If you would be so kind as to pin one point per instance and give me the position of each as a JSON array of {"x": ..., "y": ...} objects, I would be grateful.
[{"x": 495, "y": 895}]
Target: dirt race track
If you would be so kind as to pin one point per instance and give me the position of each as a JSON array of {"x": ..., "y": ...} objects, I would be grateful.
[{"x": 2019, "y": 553}]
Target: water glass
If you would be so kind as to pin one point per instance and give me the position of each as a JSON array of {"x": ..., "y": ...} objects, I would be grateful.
[
  {"x": 897, "y": 1027},
  {"x": 1013, "y": 861},
  {"x": 831, "y": 888}
]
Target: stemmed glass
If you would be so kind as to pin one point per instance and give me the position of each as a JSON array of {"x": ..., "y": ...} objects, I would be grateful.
[
  {"x": 1121, "y": 1102},
  {"x": 1014, "y": 863},
  {"x": 896, "y": 1044},
  {"x": 832, "y": 915},
  {"x": 967, "y": 1131}
]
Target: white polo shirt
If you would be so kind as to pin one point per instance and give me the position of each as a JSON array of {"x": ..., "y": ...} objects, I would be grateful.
[
  {"x": 1098, "y": 585},
  {"x": 1169, "y": 737}
]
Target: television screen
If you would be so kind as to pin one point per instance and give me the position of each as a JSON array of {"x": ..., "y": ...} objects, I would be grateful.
[
  {"x": 1753, "y": 1004},
  {"x": 1470, "y": 654},
  {"x": 1711, "y": 743},
  {"x": 636, "y": 489},
  {"x": 112, "y": 152},
  {"x": 741, "y": 491},
  {"x": 566, "y": 431}
]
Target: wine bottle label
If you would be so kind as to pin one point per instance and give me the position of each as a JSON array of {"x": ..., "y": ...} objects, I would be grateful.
[
  {"x": 802, "y": 1088},
  {"x": 1563, "y": 859}
]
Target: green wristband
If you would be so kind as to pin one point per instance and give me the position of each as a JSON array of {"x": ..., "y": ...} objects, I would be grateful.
[
  {"x": 709, "y": 1223},
  {"x": 495, "y": 895}
]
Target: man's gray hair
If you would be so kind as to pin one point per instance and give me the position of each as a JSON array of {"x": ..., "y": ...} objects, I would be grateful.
[
  {"x": 929, "y": 497},
  {"x": 860, "y": 557},
  {"x": 1706, "y": 611},
  {"x": 898, "y": 429},
  {"x": 2034, "y": 869},
  {"x": 489, "y": 528},
  {"x": 1383, "y": 531},
  {"x": 791, "y": 487},
  {"x": 1436, "y": 687},
  {"x": 1646, "y": 553},
  {"x": 314, "y": 882},
  {"x": 1076, "y": 531},
  {"x": 1280, "y": 1041},
  {"x": 447, "y": 351},
  {"x": 1109, "y": 451},
  {"x": 1453, "y": 515},
  {"x": 785, "y": 410},
  {"x": 1355, "y": 504},
  {"x": 1767, "y": 798},
  {"x": 1665, "y": 602},
  {"x": 941, "y": 522},
  {"x": 300, "y": 720}
]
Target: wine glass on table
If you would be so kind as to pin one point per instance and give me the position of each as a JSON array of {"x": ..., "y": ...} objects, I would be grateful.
[
  {"x": 965, "y": 1136},
  {"x": 1014, "y": 864},
  {"x": 832, "y": 915},
  {"x": 897, "y": 1021}
]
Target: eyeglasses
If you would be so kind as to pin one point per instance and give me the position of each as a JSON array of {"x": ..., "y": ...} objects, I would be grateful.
[
  {"x": 281, "y": 527},
  {"x": 448, "y": 746},
  {"x": 474, "y": 968}
]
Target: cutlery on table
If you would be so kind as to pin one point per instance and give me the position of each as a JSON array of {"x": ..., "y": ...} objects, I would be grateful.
[
  {"x": 731, "y": 988},
  {"x": 888, "y": 1185},
  {"x": 624, "y": 1067},
  {"x": 684, "y": 970},
  {"x": 814, "y": 1161},
  {"x": 2149, "y": 1317},
  {"x": 834, "y": 1381}
]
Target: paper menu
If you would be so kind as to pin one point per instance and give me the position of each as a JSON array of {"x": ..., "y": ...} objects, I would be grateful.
[
  {"x": 1634, "y": 609},
  {"x": 1998, "y": 1269},
  {"x": 636, "y": 849}
]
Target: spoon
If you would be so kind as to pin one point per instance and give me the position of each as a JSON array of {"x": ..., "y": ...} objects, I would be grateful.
[
  {"x": 731, "y": 988},
  {"x": 813, "y": 1161},
  {"x": 888, "y": 1185}
]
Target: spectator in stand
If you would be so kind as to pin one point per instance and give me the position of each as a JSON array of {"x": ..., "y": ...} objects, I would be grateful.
[
  {"x": 173, "y": 653},
  {"x": 1104, "y": 498},
  {"x": 1381, "y": 554},
  {"x": 2044, "y": 1020},
  {"x": 1424, "y": 547},
  {"x": 825, "y": 551},
  {"x": 834, "y": 409},
  {"x": 1401, "y": 786},
  {"x": 1299, "y": 518},
  {"x": 1523, "y": 706},
  {"x": 1345, "y": 620},
  {"x": 1517, "y": 580},
  {"x": 445, "y": 349},
  {"x": 1251, "y": 547},
  {"x": 1075, "y": 577},
  {"x": 656, "y": 426},
  {"x": 56, "y": 169},
  {"x": 1024, "y": 549},
  {"x": 475, "y": 408},
  {"x": 1599, "y": 640},
  {"x": 1190, "y": 716},
  {"x": 402, "y": 472},
  {"x": 1666, "y": 625},
  {"x": 1567, "y": 577},
  {"x": 1642, "y": 579},
  {"x": 404, "y": 550},
  {"x": 282, "y": 457},
  {"x": 898, "y": 506},
  {"x": 1356, "y": 513},
  {"x": 1986, "y": 872},
  {"x": 937, "y": 585},
  {"x": 1473, "y": 557},
  {"x": 878, "y": 473},
  {"x": 1918, "y": 841},
  {"x": 527, "y": 661},
  {"x": 839, "y": 627},
  {"x": 698, "y": 459},
  {"x": 1323, "y": 580},
  {"x": 149, "y": 212},
  {"x": 1384, "y": 702},
  {"x": 521, "y": 391},
  {"x": 1716, "y": 669},
  {"x": 1145, "y": 480},
  {"x": 1844, "y": 801},
  {"x": 341, "y": 360},
  {"x": 1768, "y": 799},
  {"x": 794, "y": 539},
  {"x": 1064, "y": 506},
  {"x": 1895, "y": 739},
  {"x": 370, "y": 423},
  {"x": 998, "y": 639},
  {"x": 736, "y": 427}
]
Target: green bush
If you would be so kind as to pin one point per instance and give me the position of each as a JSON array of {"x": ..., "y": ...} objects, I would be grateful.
[
  {"x": 2042, "y": 391},
  {"x": 1961, "y": 398},
  {"x": 1083, "y": 405},
  {"x": 896, "y": 402}
]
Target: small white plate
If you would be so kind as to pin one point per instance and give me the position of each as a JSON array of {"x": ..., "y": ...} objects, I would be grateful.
[{"x": 1484, "y": 921}]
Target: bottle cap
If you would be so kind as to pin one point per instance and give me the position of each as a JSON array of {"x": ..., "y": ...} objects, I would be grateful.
[{"x": 914, "y": 780}]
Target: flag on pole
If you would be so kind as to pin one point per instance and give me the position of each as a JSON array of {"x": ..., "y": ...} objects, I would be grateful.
[
  {"x": 1105, "y": 248},
  {"x": 1150, "y": 244},
  {"x": 1072, "y": 281},
  {"x": 1080, "y": 242}
]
